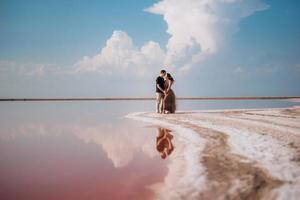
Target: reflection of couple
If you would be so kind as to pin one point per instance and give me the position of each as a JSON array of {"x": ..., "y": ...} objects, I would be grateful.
[
  {"x": 165, "y": 96},
  {"x": 163, "y": 142}
]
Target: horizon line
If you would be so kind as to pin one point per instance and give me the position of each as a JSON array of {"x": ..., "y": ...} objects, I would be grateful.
[{"x": 149, "y": 98}]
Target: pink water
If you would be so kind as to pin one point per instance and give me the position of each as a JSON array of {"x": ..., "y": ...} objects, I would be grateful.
[{"x": 74, "y": 152}]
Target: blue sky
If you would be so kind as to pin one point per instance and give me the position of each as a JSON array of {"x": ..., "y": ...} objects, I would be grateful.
[
  {"x": 44, "y": 42},
  {"x": 41, "y": 30}
]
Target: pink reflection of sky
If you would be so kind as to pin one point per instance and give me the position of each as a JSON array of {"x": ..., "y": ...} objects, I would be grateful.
[{"x": 59, "y": 163}]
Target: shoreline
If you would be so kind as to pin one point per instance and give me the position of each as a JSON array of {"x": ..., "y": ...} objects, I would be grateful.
[
  {"x": 245, "y": 153},
  {"x": 291, "y": 98}
]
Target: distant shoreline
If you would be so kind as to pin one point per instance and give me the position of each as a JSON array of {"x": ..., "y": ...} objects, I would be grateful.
[{"x": 151, "y": 98}]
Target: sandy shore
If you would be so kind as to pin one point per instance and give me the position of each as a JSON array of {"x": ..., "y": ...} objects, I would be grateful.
[{"x": 232, "y": 154}]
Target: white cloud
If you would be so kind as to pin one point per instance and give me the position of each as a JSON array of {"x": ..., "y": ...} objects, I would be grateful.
[
  {"x": 32, "y": 71},
  {"x": 199, "y": 28},
  {"x": 6, "y": 66},
  {"x": 121, "y": 55},
  {"x": 29, "y": 69},
  {"x": 238, "y": 70}
]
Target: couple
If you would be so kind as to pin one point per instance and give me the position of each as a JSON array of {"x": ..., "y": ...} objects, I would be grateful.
[{"x": 165, "y": 97}]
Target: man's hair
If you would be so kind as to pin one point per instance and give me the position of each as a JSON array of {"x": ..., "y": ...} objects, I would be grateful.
[{"x": 162, "y": 71}]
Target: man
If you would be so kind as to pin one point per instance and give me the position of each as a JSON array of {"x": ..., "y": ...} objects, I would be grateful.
[{"x": 160, "y": 90}]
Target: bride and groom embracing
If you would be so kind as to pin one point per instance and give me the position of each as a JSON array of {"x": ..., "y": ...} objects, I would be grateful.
[{"x": 165, "y": 96}]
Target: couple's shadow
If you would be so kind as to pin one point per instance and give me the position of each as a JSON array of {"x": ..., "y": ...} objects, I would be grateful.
[{"x": 164, "y": 143}]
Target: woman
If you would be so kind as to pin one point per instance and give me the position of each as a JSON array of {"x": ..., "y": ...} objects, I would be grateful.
[{"x": 169, "y": 105}]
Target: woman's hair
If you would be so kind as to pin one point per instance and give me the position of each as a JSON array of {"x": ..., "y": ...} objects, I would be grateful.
[{"x": 170, "y": 77}]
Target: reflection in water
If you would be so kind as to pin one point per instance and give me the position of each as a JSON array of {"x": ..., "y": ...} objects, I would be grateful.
[
  {"x": 164, "y": 142},
  {"x": 77, "y": 159}
]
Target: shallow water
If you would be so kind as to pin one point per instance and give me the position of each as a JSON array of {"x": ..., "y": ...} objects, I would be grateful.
[{"x": 87, "y": 150}]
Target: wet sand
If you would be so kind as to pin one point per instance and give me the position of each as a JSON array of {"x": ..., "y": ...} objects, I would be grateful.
[{"x": 242, "y": 153}]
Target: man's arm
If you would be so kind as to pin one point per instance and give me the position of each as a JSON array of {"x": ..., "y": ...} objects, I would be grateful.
[{"x": 159, "y": 87}]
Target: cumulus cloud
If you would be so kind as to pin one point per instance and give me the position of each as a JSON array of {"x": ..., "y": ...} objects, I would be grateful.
[
  {"x": 121, "y": 55},
  {"x": 199, "y": 28}
]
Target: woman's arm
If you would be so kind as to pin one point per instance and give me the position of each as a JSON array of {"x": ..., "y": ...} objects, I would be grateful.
[{"x": 169, "y": 85}]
